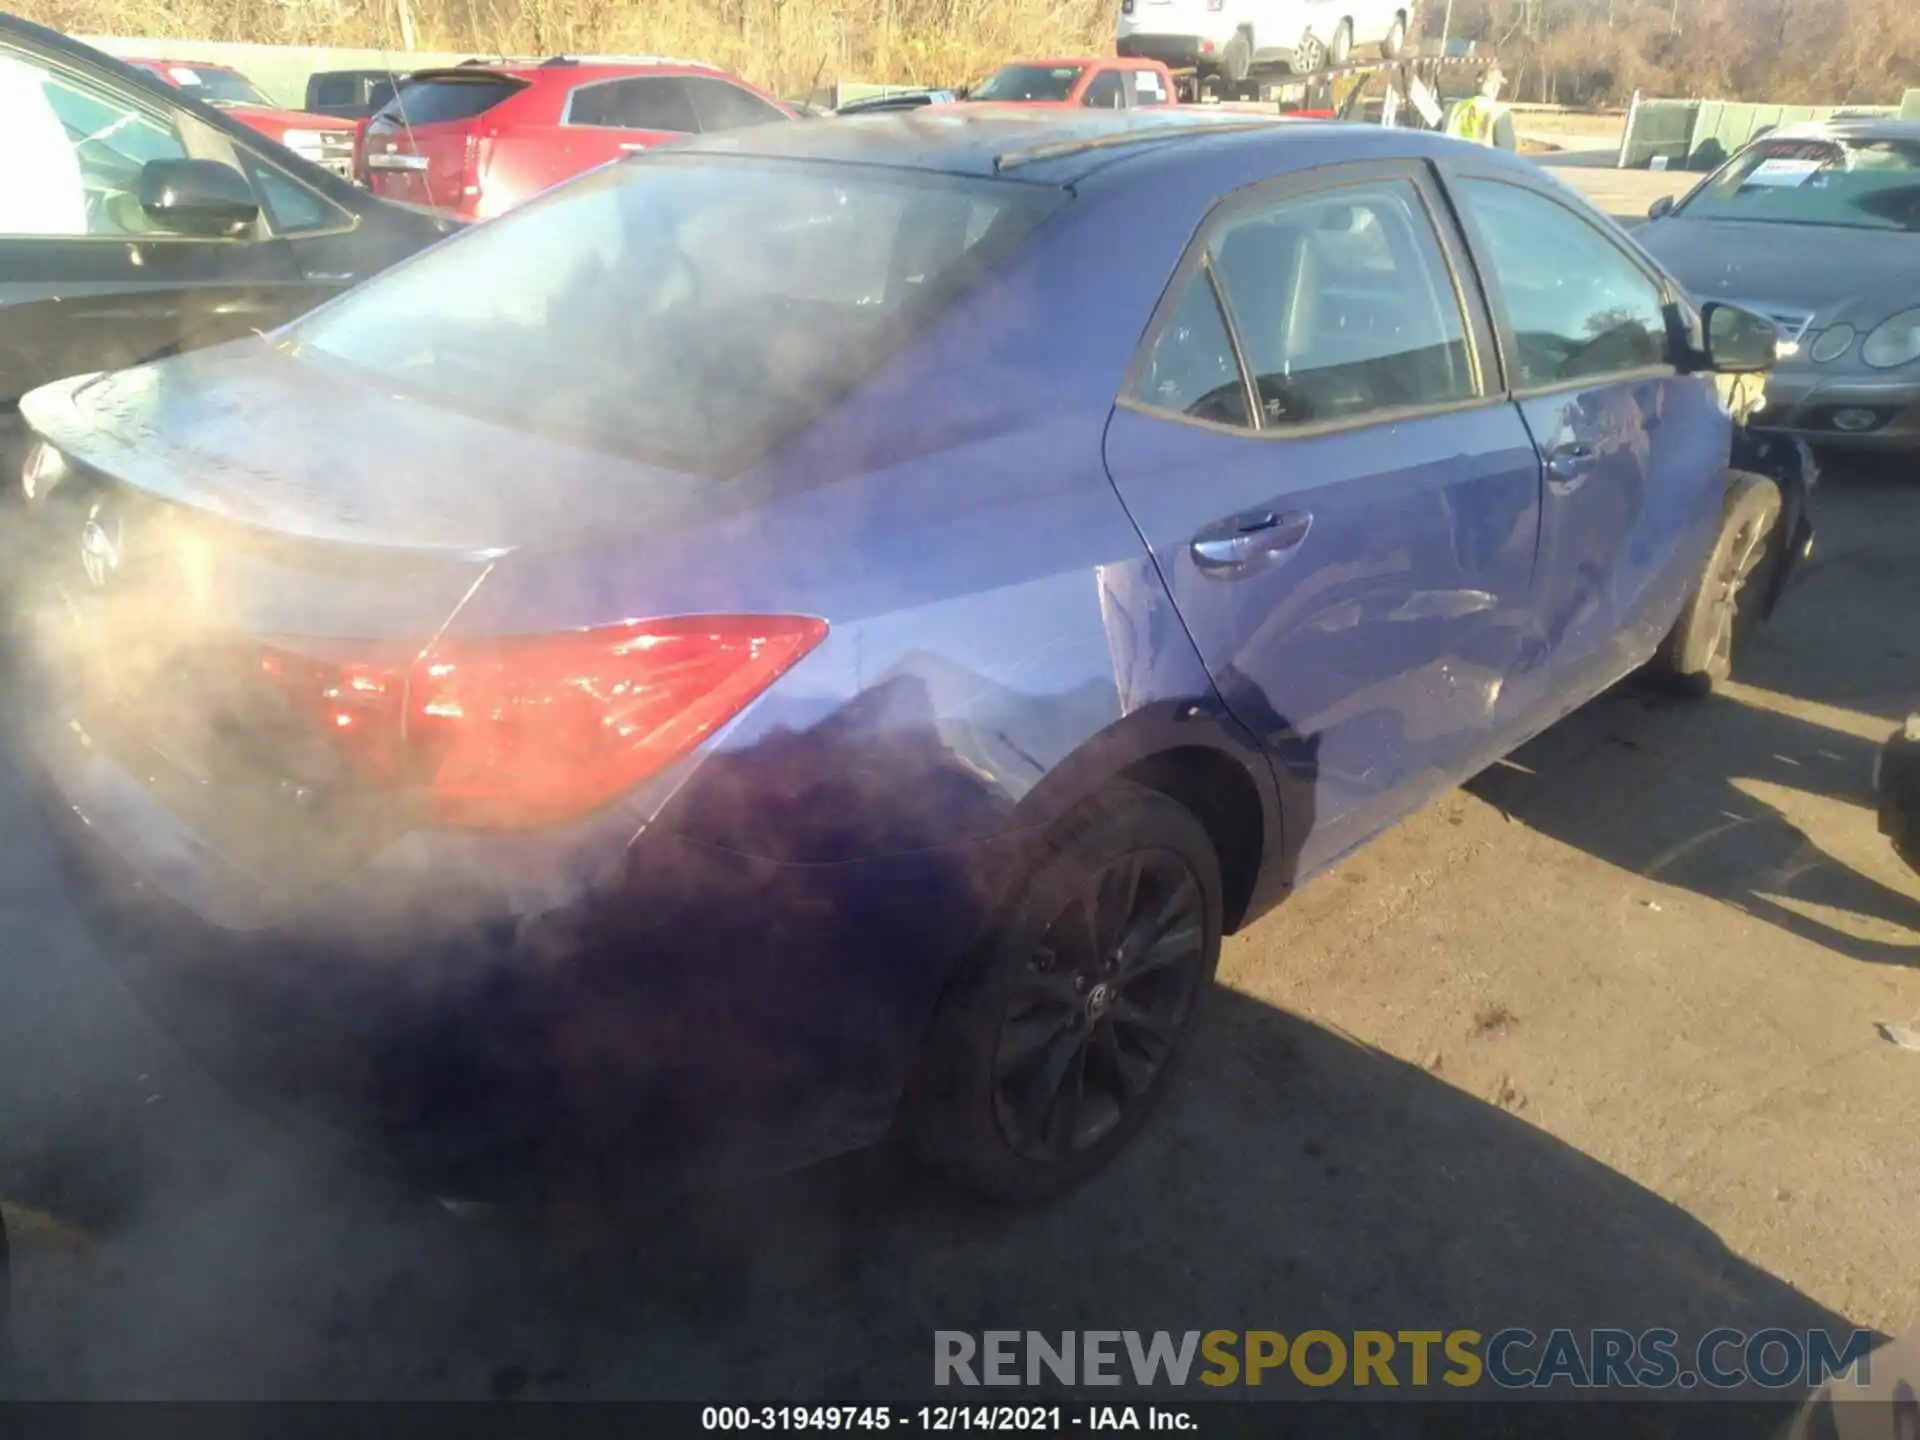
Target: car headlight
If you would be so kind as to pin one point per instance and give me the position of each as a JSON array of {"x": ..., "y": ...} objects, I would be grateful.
[
  {"x": 306, "y": 142},
  {"x": 1894, "y": 342},
  {"x": 1834, "y": 342}
]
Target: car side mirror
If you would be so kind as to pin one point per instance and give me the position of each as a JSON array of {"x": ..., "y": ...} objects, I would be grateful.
[
  {"x": 1660, "y": 208},
  {"x": 197, "y": 197},
  {"x": 1739, "y": 342}
]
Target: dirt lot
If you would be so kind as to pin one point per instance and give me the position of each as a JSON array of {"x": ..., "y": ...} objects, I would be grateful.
[{"x": 1590, "y": 1042}]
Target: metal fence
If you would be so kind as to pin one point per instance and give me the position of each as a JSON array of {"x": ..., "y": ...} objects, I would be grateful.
[{"x": 1699, "y": 134}]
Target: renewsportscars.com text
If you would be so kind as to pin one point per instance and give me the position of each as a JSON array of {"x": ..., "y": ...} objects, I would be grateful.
[{"x": 1512, "y": 1359}]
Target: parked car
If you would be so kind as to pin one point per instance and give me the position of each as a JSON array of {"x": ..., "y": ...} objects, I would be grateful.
[
  {"x": 1098, "y": 84},
  {"x": 138, "y": 221},
  {"x": 1228, "y": 40},
  {"x": 827, "y": 626},
  {"x": 477, "y": 140},
  {"x": 318, "y": 138},
  {"x": 1816, "y": 225},
  {"x": 896, "y": 100},
  {"x": 351, "y": 94}
]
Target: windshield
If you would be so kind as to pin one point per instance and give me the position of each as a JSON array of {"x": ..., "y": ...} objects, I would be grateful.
[
  {"x": 1853, "y": 184},
  {"x": 689, "y": 310},
  {"x": 219, "y": 87},
  {"x": 1030, "y": 82}
]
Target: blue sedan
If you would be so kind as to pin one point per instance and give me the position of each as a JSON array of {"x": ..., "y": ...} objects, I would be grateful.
[{"x": 820, "y": 631}]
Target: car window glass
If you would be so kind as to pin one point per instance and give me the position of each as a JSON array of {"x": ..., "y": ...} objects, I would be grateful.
[
  {"x": 1149, "y": 88},
  {"x": 1191, "y": 369},
  {"x": 724, "y": 106},
  {"x": 1865, "y": 184},
  {"x": 1104, "y": 92},
  {"x": 73, "y": 155},
  {"x": 291, "y": 207},
  {"x": 1577, "y": 305},
  {"x": 681, "y": 311},
  {"x": 657, "y": 102},
  {"x": 1344, "y": 306}
]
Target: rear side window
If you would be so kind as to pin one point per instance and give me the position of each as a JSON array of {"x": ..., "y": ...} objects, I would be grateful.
[
  {"x": 1149, "y": 88},
  {"x": 1344, "y": 306},
  {"x": 436, "y": 101},
  {"x": 724, "y": 106},
  {"x": 656, "y": 102},
  {"x": 1191, "y": 369}
]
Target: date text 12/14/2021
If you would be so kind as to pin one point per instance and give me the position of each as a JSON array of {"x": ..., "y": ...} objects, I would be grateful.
[{"x": 946, "y": 1419}]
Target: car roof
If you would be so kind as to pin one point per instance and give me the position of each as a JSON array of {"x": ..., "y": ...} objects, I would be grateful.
[
  {"x": 575, "y": 72},
  {"x": 1056, "y": 148},
  {"x": 1868, "y": 127},
  {"x": 182, "y": 64},
  {"x": 1120, "y": 62}
]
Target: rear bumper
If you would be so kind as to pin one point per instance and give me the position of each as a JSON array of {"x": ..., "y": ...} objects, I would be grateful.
[
  {"x": 1809, "y": 407},
  {"x": 697, "y": 1016}
]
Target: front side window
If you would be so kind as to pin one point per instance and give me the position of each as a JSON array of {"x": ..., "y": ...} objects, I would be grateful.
[
  {"x": 1344, "y": 306},
  {"x": 73, "y": 154},
  {"x": 658, "y": 102},
  {"x": 1579, "y": 308},
  {"x": 1029, "y": 82},
  {"x": 291, "y": 208},
  {"x": 1856, "y": 184},
  {"x": 690, "y": 310}
]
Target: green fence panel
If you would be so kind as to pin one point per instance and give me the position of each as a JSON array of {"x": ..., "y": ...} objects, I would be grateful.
[{"x": 1656, "y": 129}]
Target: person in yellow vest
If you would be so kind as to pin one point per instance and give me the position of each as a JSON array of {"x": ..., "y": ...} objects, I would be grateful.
[{"x": 1482, "y": 118}]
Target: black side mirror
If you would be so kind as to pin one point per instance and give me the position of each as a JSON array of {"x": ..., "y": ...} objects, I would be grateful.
[
  {"x": 1739, "y": 342},
  {"x": 198, "y": 197},
  {"x": 1660, "y": 208}
]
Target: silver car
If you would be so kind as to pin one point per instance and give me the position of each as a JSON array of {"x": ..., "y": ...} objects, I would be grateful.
[{"x": 1817, "y": 226}]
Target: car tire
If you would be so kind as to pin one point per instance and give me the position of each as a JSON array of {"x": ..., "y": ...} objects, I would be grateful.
[
  {"x": 1341, "y": 50},
  {"x": 1395, "y": 45},
  {"x": 1236, "y": 59},
  {"x": 1053, "y": 1047},
  {"x": 1729, "y": 598}
]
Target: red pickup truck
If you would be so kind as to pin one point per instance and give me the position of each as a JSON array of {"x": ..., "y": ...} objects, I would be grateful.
[
  {"x": 319, "y": 138},
  {"x": 477, "y": 140},
  {"x": 1104, "y": 83}
]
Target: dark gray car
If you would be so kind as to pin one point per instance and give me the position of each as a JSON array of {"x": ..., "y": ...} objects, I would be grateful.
[{"x": 1817, "y": 226}]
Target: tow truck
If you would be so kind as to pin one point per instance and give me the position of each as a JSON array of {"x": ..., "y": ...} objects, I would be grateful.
[{"x": 1414, "y": 92}]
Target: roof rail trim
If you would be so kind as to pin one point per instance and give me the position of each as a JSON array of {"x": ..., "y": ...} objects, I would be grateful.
[{"x": 1055, "y": 149}]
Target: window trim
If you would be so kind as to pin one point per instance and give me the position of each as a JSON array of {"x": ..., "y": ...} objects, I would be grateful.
[
  {"x": 1477, "y": 332},
  {"x": 1506, "y": 338},
  {"x": 573, "y": 93}
]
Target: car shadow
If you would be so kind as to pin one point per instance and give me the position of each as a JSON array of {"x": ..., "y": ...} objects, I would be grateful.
[
  {"x": 1760, "y": 810},
  {"x": 1297, "y": 1179}
]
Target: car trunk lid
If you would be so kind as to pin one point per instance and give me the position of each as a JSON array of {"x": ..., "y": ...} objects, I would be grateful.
[{"x": 426, "y": 145}]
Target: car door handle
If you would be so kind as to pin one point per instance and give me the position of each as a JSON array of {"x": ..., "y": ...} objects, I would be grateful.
[
  {"x": 1242, "y": 543},
  {"x": 1569, "y": 465}
]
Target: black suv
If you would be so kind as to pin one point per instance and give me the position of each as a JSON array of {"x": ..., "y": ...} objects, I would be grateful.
[{"x": 136, "y": 221}]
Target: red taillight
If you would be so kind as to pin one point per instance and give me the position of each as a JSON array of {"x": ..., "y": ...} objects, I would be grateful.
[{"x": 533, "y": 730}]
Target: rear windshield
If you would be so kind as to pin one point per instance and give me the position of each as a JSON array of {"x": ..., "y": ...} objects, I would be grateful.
[
  {"x": 429, "y": 102},
  {"x": 687, "y": 310},
  {"x": 1029, "y": 82},
  {"x": 1854, "y": 184}
]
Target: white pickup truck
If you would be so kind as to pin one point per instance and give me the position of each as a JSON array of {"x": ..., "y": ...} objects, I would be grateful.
[{"x": 1227, "y": 40}]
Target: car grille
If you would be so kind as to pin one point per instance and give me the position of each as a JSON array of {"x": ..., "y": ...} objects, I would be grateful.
[{"x": 336, "y": 152}]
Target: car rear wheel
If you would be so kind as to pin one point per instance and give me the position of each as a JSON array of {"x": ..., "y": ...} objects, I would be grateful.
[
  {"x": 1051, "y": 1051},
  {"x": 1341, "y": 50},
  {"x": 1236, "y": 59},
  {"x": 1396, "y": 41},
  {"x": 1730, "y": 597}
]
